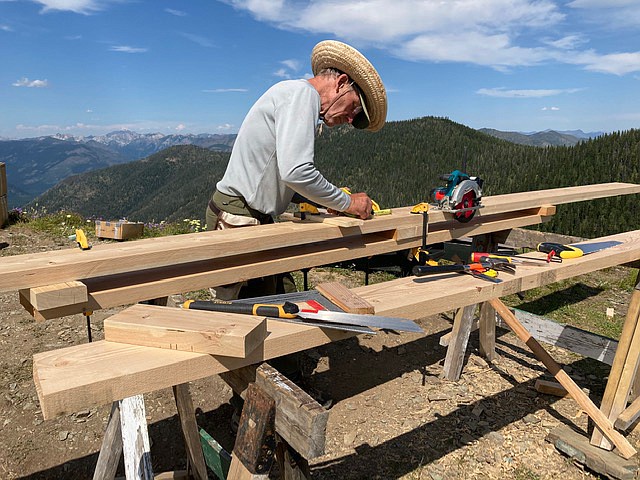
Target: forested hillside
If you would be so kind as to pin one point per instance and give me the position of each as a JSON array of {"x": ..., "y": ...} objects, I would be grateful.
[{"x": 397, "y": 166}]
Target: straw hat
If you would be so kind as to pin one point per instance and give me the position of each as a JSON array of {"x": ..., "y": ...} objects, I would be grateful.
[{"x": 334, "y": 54}]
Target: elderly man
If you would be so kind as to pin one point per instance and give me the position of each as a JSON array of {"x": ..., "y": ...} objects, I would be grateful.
[{"x": 273, "y": 156}]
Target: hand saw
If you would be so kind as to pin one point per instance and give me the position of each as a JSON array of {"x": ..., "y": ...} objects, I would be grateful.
[{"x": 323, "y": 318}]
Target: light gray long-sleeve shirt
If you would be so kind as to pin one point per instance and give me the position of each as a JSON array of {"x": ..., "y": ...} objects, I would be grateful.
[{"x": 272, "y": 156}]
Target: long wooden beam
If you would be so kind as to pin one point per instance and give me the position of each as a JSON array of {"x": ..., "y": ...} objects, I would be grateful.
[
  {"x": 124, "y": 289},
  {"x": 47, "y": 268},
  {"x": 73, "y": 378}
]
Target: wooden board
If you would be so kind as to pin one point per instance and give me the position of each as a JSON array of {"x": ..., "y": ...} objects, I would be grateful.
[
  {"x": 68, "y": 379},
  {"x": 4, "y": 210},
  {"x": 132, "y": 287},
  {"x": 341, "y": 296},
  {"x": 3, "y": 179},
  {"x": 414, "y": 298},
  {"x": 56, "y": 296},
  {"x": 25, "y": 271},
  {"x": 74, "y": 378},
  {"x": 602, "y": 461},
  {"x": 216, "y": 333}
]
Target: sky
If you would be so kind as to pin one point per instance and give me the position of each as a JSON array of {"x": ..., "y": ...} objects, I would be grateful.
[{"x": 89, "y": 67}]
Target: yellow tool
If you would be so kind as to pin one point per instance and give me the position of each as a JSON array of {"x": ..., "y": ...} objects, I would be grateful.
[
  {"x": 375, "y": 208},
  {"x": 421, "y": 254},
  {"x": 81, "y": 239}
]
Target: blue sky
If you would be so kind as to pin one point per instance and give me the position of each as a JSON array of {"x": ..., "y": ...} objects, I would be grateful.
[{"x": 88, "y": 67}]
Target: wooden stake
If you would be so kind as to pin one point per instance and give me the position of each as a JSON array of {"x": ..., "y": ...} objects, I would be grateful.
[{"x": 599, "y": 418}]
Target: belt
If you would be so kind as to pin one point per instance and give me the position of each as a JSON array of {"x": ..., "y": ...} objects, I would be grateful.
[{"x": 214, "y": 208}]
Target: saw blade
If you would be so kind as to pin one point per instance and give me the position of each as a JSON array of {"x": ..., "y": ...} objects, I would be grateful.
[
  {"x": 593, "y": 247},
  {"x": 386, "y": 323},
  {"x": 466, "y": 203}
]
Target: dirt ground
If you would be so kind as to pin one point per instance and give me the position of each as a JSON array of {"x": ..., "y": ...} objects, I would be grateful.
[{"x": 392, "y": 415}]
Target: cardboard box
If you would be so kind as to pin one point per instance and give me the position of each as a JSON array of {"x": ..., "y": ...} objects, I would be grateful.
[
  {"x": 119, "y": 230},
  {"x": 4, "y": 211},
  {"x": 3, "y": 179}
]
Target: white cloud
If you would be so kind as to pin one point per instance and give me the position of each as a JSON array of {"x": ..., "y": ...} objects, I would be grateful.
[
  {"x": 532, "y": 93},
  {"x": 25, "y": 82},
  {"x": 553, "y": 109},
  {"x": 501, "y": 34},
  {"x": 127, "y": 49},
  {"x": 180, "y": 127},
  {"x": 200, "y": 40},
  {"x": 6, "y": 28},
  {"x": 282, "y": 73},
  {"x": 291, "y": 64},
  {"x": 226, "y": 90},
  {"x": 177, "y": 13},
  {"x": 85, "y": 7}
]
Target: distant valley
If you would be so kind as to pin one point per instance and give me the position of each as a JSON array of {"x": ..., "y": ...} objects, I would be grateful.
[{"x": 35, "y": 165}]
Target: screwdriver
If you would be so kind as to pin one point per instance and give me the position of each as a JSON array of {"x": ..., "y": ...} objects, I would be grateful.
[{"x": 553, "y": 249}]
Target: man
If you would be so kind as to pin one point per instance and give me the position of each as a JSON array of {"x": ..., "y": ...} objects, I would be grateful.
[{"x": 273, "y": 156}]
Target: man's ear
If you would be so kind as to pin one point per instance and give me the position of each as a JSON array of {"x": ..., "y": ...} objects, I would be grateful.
[{"x": 343, "y": 79}]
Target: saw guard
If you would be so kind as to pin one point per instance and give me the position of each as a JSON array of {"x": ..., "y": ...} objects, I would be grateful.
[{"x": 463, "y": 188}]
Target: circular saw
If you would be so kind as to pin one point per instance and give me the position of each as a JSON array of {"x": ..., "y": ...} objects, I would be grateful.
[{"x": 461, "y": 196}]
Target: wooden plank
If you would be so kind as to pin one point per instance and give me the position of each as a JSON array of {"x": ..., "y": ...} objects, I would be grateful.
[
  {"x": 300, "y": 420},
  {"x": 186, "y": 413},
  {"x": 58, "y": 295},
  {"x": 460, "y": 337},
  {"x": 3, "y": 179},
  {"x": 487, "y": 326},
  {"x": 255, "y": 446},
  {"x": 581, "y": 398},
  {"x": 217, "y": 458},
  {"x": 345, "y": 298},
  {"x": 577, "y": 447},
  {"x": 111, "y": 449},
  {"x": 623, "y": 370},
  {"x": 216, "y": 333},
  {"x": 135, "y": 439},
  {"x": 629, "y": 415},
  {"x": 550, "y": 388},
  {"x": 415, "y": 298},
  {"x": 114, "y": 290},
  {"x": 25, "y": 271},
  {"x": 4, "y": 210},
  {"x": 570, "y": 338},
  {"x": 96, "y": 373},
  {"x": 73, "y": 378}
]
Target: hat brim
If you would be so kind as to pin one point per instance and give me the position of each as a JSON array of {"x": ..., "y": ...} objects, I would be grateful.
[{"x": 338, "y": 55}]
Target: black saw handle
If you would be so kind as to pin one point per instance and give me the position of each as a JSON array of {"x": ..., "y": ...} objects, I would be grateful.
[{"x": 286, "y": 310}]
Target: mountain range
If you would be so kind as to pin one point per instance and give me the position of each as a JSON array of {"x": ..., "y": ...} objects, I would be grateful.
[
  {"x": 36, "y": 164},
  {"x": 398, "y": 166}
]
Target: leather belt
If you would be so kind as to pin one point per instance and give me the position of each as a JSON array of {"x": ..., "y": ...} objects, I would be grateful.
[{"x": 214, "y": 208}]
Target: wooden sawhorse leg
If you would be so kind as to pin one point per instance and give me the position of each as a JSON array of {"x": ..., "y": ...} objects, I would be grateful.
[
  {"x": 127, "y": 434},
  {"x": 623, "y": 372}
]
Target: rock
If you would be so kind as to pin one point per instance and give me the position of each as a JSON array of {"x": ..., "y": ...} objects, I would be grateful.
[
  {"x": 531, "y": 419},
  {"x": 63, "y": 435},
  {"x": 349, "y": 438}
]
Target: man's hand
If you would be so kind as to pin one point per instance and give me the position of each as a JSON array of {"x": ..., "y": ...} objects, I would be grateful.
[{"x": 360, "y": 205}]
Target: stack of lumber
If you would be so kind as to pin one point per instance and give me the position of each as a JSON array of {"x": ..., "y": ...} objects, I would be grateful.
[
  {"x": 4, "y": 204},
  {"x": 120, "y": 274},
  {"x": 74, "y": 378}
]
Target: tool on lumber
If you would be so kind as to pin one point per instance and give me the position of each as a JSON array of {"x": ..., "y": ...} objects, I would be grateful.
[
  {"x": 484, "y": 271},
  {"x": 478, "y": 256},
  {"x": 461, "y": 196},
  {"x": 557, "y": 250},
  {"x": 375, "y": 208},
  {"x": 291, "y": 311},
  {"x": 421, "y": 253},
  {"x": 81, "y": 239}
]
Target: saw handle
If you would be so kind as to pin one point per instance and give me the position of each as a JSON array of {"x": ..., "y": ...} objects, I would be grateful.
[
  {"x": 558, "y": 250},
  {"x": 286, "y": 310}
]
